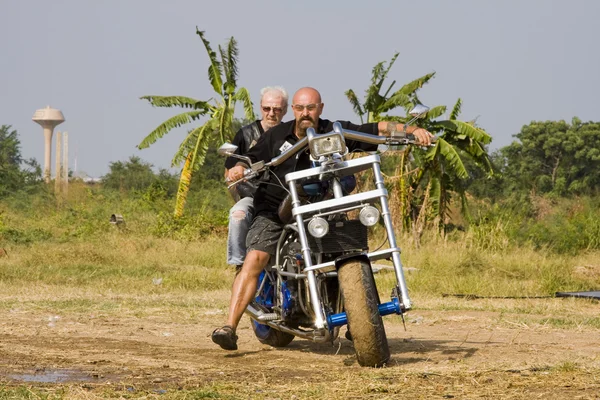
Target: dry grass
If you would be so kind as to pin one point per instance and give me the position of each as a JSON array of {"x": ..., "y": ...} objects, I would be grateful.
[
  {"x": 537, "y": 382},
  {"x": 128, "y": 275}
]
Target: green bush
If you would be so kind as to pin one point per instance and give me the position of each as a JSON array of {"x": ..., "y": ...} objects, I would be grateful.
[{"x": 549, "y": 222}]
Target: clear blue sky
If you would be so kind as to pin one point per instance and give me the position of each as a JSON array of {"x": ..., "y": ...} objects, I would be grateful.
[{"x": 511, "y": 61}]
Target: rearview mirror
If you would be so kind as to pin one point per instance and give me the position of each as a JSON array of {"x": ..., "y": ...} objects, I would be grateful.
[
  {"x": 419, "y": 111},
  {"x": 226, "y": 149}
]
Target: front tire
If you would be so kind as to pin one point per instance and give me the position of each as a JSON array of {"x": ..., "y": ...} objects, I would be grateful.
[{"x": 361, "y": 304}]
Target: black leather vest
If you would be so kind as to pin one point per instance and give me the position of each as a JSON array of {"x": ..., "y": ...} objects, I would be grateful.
[{"x": 251, "y": 133}]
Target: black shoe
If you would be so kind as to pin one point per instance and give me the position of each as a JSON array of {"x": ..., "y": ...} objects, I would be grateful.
[{"x": 225, "y": 337}]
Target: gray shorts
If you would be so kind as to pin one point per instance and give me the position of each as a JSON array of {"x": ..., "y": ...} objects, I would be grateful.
[{"x": 264, "y": 234}]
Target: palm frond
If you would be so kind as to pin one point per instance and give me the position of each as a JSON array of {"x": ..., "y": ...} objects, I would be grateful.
[
  {"x": 225, "y": 119},
  {"x": 456, "y": 109},
  {"x": 201, "y": 147},
  {"x": 184, "y": 186},
  {"x": 377, "y": 72},
  {"x": 168, "y": 125},
  {"x": 413, "y": 86},
  {"x": 193, "y": 161},
  {"x": 464, "y": 128},
  {"x": 396, "y": 100},
  {"x": 435, "y": 112},
  {"x": 389, "y": 88},
  {"x": 176, "y": 101},
  {"x": 387, "y": 70},
  {"x": 351, "y": 96},
  {"x": 480, "y": 157},
  {"x": 435, "y": 195},
  {"x": 215, "y": 69},
  {"x": 225, "y": 65},
  {"x": 244, "y": 96},
  {"x": 229, "y": 59},
  {"x": 451, "y": 157},
  {"x": 373, "y": 99},
  {"x": 187, "y": 146}
]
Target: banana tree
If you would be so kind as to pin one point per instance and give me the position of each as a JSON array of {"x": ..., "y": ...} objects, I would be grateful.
[
  {"x": 443, "y": 168},
  {"x": 375, "y": 103},
  {"x": 222, "y": 74},
  {"x": 424, "y": 179}
]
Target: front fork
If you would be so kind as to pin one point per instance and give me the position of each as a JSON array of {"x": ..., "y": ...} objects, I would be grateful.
[
  {"x": 401, "y": 292},
  {"x": 310, "y": 275},
  {"x": 389, "y": 227}
]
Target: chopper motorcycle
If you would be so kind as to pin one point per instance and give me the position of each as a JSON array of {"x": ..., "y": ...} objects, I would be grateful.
[{"x": 321, "y": 277}]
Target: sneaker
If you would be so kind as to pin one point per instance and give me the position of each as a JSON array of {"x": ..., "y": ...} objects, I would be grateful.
[{"x": 225, "y": 337}]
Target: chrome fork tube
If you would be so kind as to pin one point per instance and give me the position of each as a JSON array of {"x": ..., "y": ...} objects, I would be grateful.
[
  {"x": 310, "y": 275},
  {"x": 387, "y": 219},
  {"x": 338, "y": 192}
]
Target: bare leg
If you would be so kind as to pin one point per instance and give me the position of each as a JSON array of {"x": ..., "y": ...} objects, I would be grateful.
[{"x": 244, "y": 285}]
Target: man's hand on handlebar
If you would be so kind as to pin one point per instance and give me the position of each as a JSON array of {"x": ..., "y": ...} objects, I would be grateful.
[
  {"x": 236, "y": 173},
  {"x": 422, "y": 137}
]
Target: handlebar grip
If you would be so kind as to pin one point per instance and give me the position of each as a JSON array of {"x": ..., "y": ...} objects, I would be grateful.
[{"x": 248, "y": 174}]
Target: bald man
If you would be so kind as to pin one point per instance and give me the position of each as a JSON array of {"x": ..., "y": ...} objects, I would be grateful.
[{"x": 266, "y": 227}]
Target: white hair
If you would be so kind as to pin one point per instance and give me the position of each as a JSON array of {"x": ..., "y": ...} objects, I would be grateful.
[{"x": 280, "y": 89}]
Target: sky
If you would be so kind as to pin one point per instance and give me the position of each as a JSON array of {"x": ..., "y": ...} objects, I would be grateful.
[{"x": 511, "y": 62}]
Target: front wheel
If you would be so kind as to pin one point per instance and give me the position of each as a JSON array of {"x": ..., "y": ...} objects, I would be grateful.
[{"x": 361, "y": 304}]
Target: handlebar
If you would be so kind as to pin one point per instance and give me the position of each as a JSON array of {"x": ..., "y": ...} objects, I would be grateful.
[
  {"x": 257, "y": 168},
  {"x": 248, "y": 174}
]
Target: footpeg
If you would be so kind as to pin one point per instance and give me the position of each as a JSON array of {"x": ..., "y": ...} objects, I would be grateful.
[{"x": 268, "y": 316}]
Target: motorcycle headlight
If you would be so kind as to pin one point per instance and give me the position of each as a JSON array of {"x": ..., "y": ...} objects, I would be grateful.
[
  {"x": 325, "y": 145},
  {"x": 369, "y": 216},
  {"x": 318, "y": 227}
]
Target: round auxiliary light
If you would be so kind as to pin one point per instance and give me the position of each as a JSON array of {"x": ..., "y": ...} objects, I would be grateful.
[
  {"x": 318, "y": 227},
  {"x": 369, "y": 216}
]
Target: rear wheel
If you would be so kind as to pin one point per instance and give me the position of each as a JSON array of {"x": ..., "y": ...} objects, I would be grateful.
[
  {"x": 361, "y": 304},
  {"x": 267, "y": 335},
  {"x": 264, "y": 333}
]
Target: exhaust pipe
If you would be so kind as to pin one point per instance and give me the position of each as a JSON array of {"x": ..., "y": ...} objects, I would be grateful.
[{"x": 317, "y": 335}]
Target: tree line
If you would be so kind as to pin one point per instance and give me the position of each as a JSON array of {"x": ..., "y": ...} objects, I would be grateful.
[{"x": 552, "y": 158}]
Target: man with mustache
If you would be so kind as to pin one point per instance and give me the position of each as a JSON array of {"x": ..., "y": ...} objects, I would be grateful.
[
  {"x": 266, "y": 226},
  {"x": 273, "y": 106}
]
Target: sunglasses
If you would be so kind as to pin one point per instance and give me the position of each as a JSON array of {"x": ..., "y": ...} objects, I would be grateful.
[
  {"x": 276, "y": 110},
  {"x": 301, "y": 107}
]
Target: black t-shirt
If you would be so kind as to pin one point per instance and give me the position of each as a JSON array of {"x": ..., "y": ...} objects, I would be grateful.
[
  {"x": 278, "y": 139},
  {"x": 240, "y": 141}
]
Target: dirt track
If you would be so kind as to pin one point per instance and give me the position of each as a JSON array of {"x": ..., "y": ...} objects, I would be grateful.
[{"x": 448, "y": 353}]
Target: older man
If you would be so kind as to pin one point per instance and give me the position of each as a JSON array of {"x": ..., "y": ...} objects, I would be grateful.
[
  {"x": 273, "y": 106},
  {"x": 266, "y": 226}
]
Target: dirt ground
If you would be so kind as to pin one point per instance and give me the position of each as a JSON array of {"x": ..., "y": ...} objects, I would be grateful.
[{"x": 442, "y": 354}]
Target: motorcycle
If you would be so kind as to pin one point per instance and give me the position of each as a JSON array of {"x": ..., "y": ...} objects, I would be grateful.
[{"x": 321, "y": 277}]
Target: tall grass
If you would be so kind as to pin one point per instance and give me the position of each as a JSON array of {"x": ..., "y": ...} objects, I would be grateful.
[{"x": 70, "y": 245}]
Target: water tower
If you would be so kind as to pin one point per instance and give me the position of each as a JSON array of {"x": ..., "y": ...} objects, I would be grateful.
[{"x": 48, "y": 118}]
